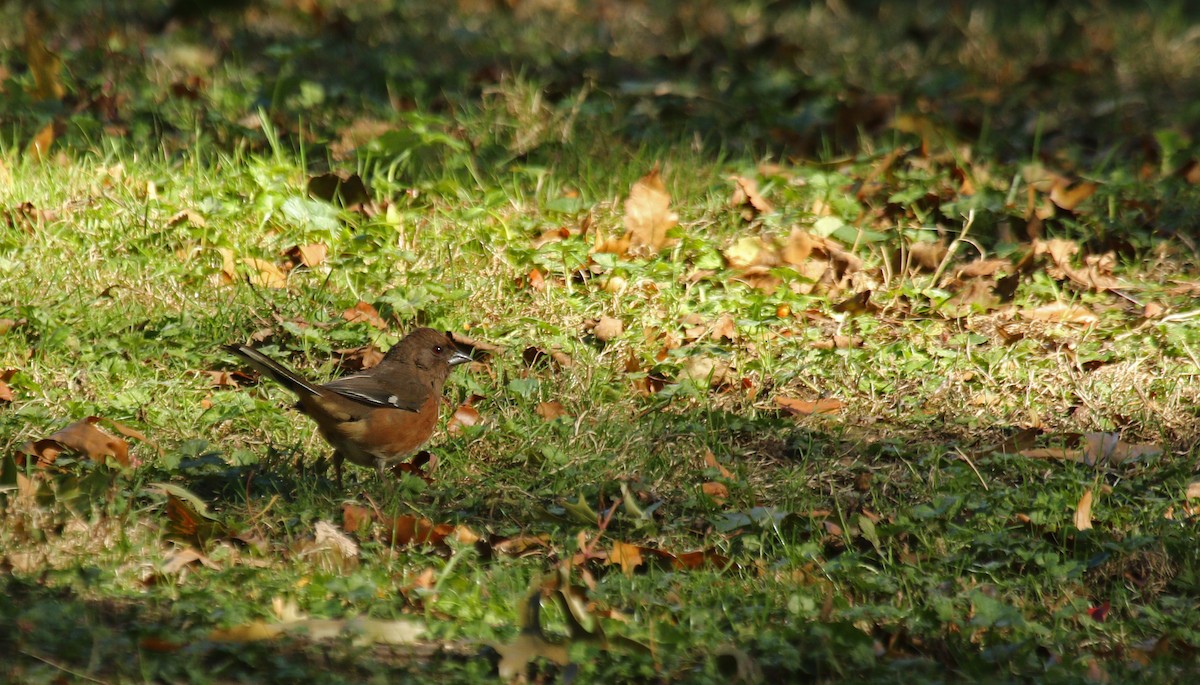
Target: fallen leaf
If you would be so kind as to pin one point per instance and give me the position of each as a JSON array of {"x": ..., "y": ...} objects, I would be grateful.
[
  {"x": 629, "y": 557},
  {"x": 1193, "y": 490},
  {"x": 710, "y": 460},
  {"x": 522, "y": 545},
  {"x": 6, "y": 393},
  {"x": 824, "y": 405},
  {"x": 82, "y": 437},
  {"x": 747, "y": 197},
  {"x": 718, "y": 492},
  {"x": 310, "y": 255},
  {"x": 1097, "y": 448},
  {"x": 464, "y": 417},
  {"x": 705, "y": 371},
  {"x": 926, "y": 255},
  {"x": 608, "y": 328},
  {"x": 798, "y": 247},
  {"x": 365, "y": 313},
  {"x": 1061, "y": 312},
  {"x": 551, "y": 410},
  {"x": 1068, "y": 196},
  {"x": 1083, "y": 511},
  {"x": 536, "y": 280},
  {"x": 182, "y": 557},
  {"x": 724, "y": 329},
  {"x": 751, "y": 251},
  {"x": 648, "y": 215}
]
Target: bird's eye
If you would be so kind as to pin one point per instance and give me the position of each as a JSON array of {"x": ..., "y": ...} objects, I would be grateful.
[{"x": 438, "y": 349}]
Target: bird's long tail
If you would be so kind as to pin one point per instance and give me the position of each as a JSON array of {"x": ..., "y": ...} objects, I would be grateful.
[{"x": 280, "y": 373}]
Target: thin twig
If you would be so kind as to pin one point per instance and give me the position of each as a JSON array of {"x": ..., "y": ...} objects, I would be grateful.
[{"x": 953, "y": 247}]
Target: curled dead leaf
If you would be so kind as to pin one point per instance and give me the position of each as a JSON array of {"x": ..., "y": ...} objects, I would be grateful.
[
  {"x": 824, "y": 405},
  {"x": 1083, "y": 511}
]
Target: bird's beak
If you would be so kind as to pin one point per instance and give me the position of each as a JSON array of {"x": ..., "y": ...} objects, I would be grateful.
[{"x": 459, "y": 357}]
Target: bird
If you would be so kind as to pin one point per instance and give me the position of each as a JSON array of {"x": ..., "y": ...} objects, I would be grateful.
[{"x": 378, "y": 416}]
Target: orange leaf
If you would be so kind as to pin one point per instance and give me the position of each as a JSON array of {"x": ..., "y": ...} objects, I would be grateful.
[
  {"x": 365, "y": 313},
  {"x": 825, "y": 405},
  {"x": 6, "y": 394},
  {"x": 719, "y": 492},
  {"x": 628, "y": 556},
  {"x": 710, "y": 460},
  {"x": 264, "y": 274},
  {"x": 39, "y": 147},
  {"x": 551, "y": 410}
]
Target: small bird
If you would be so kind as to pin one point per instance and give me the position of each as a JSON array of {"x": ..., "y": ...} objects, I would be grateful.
[{"x": 377, "y": 416}]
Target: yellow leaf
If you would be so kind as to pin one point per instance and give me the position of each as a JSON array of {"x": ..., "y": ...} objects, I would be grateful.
[
  {"x": 264, "y": 274},
  {"x": 1083, "y": 511},
  {"x": 648, "y": 215}
]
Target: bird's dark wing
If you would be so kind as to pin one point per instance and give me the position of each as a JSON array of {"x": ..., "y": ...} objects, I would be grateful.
[{"x": 396, "y": 391}]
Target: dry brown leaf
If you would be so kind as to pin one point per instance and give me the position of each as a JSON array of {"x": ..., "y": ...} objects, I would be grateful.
[
  {"x": 798, "y": 247},
  {"x": 608, "y": 328},
  {"x": 82, "y": 437},
  {"x": 264, "y": 274},
  {"x": 839, "y": 342},
  {"x": 188, "y": 216},
  {"x": 705, "y": 371},
  {"x": 751, "y": 251},
  {"x": 1068, "y": 196},
  {"x": 1061, "y": 312},
  {"x": 1083, "y": 511},
  {"x": 747, "y": 197},
  {"x": 982, "y": 267},
  {"x": 535, "y": 279},
  {"x": 6, "y": 393},
  {"x": 825, "y": 405},
  {"x": 1097, "y": 448},
  {"x": 926, "y": 255},
  {"x": 718, "y": 492},
  {"x": 710, "y": 460},
  {"x": 1193, "y": 490},
  {"x": 724, "y": 329},
  {"x": 629, "y": 557},
  {"x": 365, "y": 313},
  {"x": 464, "y": 417},
  {"x": 178, "y": 559},
  {"x": 522, "y": 545},
  {"x": 648, "y": 215},
  {"x": 551, "y": 410},
  {"x": 309, "y": 255}
]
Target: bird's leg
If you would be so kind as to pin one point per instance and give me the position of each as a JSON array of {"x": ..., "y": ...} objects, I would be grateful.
[{"x": 337, "y": 467}]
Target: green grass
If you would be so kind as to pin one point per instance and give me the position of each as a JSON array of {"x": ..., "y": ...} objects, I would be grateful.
[{"x": 888, "y": 542}]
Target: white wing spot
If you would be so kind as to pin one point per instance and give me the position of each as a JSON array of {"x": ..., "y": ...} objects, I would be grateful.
[{"x": 393, "y": 400}]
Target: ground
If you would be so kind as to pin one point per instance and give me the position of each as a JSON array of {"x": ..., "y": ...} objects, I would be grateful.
[{"x": 814, "y": 341}]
